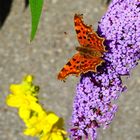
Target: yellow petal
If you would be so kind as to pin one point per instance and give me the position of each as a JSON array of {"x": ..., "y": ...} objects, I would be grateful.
[
  {"x": 56, "y": 136},
  {"x": 31, "y": 132},
  {"x": 52, "y": 118},
  {"x": 24, "y": 113},
  {"x": 45, "y": 137},
  {"x": 14, "y": 101},
  {"x": 28, "y": 78},
  {"x": 16, "y": 89},
  {"x": 36, "y": 107}
]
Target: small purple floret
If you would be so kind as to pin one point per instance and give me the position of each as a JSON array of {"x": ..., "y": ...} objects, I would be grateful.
[{"x": 94, "y": 105}]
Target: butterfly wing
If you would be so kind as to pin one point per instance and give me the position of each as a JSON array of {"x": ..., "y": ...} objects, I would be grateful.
[
  {"x": 81, "y": 29},
  {"x": 70, "y": 67},
  {"x": 96, "y": 42},
  {"x": 84, "y": 61},
  {"x": 79, "y": 64},
  {"x": 87, "y": 37},
  {"x": 90, "y": 63}
]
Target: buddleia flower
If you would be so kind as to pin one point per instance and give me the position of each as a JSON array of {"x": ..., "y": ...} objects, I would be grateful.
[{"x": 94, "y": 105}]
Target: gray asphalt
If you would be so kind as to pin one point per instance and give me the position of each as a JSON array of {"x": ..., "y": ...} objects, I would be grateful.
[{"x": 45, "y": 56}]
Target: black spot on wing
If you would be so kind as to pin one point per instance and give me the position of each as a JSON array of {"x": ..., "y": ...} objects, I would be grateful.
[
  {"x": 77, "y": 24},
  {"x": 80, "y": 37},
  {"x": 64, "y": 70},
  {"x": 84, "y": 37},
  {"x": 78, "y": 31},
  {"x": 73, "y": 59},
  {"x": 69, "y": 64}
]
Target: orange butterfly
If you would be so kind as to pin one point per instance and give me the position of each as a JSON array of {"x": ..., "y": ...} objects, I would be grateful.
[{"x": 89, "y": 54}]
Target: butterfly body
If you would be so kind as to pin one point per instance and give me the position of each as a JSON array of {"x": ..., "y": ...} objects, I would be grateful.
[
  {"x": 89, "y": 54},
  {"x": 89, "y": 51}
]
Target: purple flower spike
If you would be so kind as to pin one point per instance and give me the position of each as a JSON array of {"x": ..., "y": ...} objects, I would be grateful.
[{"x": 93, "y": 104}]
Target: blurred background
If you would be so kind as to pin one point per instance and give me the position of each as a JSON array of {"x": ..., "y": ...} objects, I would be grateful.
[{"x": 53, "y": 45}]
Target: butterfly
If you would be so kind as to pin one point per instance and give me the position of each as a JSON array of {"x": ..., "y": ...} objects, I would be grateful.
[{"x": 90, "y": 51}]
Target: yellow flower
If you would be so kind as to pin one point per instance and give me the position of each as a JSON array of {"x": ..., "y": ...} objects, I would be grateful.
[
  {"x": 34, "y": 124},
  {"x": 20, "y": 100},
  {"x": 55, "y": 134},
  {"x": 55, "y": 131},
  {"x": 23, "y": 92},
  {"x": 28, "y": 110},
  {"x": 26, "y": 87},
  {"x": 47, "y": 126},
  {"x": 23, "y": 96}
]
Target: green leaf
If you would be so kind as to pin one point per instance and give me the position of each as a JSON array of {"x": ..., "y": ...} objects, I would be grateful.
[{"x": 36, "y": 8}]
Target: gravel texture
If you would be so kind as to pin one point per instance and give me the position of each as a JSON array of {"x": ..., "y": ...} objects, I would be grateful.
[{"x": 45, "y": 56}]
